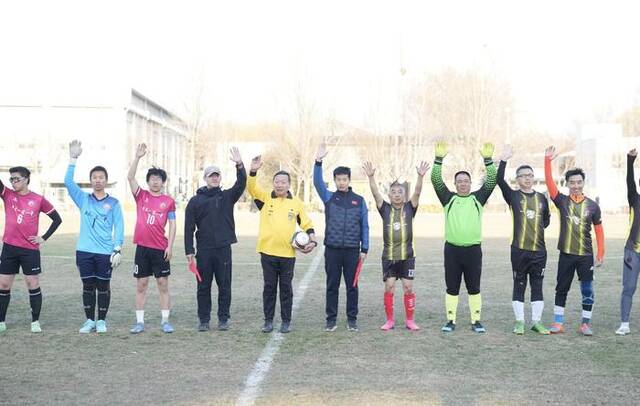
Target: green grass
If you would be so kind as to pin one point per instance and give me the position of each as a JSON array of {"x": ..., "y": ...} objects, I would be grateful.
[{"x": 312, "y": 366}]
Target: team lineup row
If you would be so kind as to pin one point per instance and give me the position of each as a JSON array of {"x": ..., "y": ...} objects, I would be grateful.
[{"x": 209, "y": 216}]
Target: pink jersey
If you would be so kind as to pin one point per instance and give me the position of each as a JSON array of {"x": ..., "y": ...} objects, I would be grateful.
[
  {"x": 153, "y": 213},
  {"x": 21, "y": 214}
]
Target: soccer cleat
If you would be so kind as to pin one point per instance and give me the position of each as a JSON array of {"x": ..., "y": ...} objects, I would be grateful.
[
  {"x": 623, "y": 331},
  {"x": 203, "y": 326},
  {"x": 331, "y": 326},
  {"x": 167, "y": 327},
  {"x": 556, "y": 328},
  {"x": 540, "y": 328},
  {"x": 87, "y": 327},
  {"x": 137, "y": 328},
  {"x": 352, "y": 325},
  {"x": 101, "y": 326},
  {"x": 3, "y": 327},
  {"x": 285, "y": 327},
  {"x": 478, "y": 327},
  {"x": 388, "y": 325},
  {"x": 411, "y": 325},
  {"x": 223, "y": 325},
  {"x": 518, "y": 328},
  {"x": 268, "y": 326},
  {"x": 585, "y": 329},
  {"x": 35, "y": 327},
  {"x": 449, "y": 327}
]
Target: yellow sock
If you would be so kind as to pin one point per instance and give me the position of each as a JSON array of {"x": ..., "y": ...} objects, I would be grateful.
[
  {"x": 451, "y": 304},
  {"x": 475, "y": 307}
]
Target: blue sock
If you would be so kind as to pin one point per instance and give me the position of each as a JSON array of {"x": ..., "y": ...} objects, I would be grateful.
[{"x": 558, "y": 318}]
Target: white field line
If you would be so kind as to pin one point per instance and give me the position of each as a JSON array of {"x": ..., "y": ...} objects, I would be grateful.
[{"x": 262, "y": 366}]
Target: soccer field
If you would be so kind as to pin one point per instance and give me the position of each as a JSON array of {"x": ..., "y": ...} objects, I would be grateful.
[{"x": 309, "y": 365}]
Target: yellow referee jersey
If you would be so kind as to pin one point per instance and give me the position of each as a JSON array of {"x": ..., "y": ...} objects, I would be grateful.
[{"x": 278, "y": 219}]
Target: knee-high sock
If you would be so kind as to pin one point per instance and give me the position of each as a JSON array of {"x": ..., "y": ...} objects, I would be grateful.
[
  {"x": 409, "y": 305},
  {"x": 35, "y": 300},
  {"x": 475, "y": 307},
  {"x": 388, "y": 305},
  {"x": 5, "y": 298},
  {"x": 451, "y": 304},
  {"x": 89, "y": 297},
  {"x": 104, "y": 298}
]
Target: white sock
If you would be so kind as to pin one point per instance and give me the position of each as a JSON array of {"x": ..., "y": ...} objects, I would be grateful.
[
  {"x": 140, "y": 316},
  {"x": 586, "y": 314},
  {"x": 518, "y": 310},
  {"x": 624, "y": 325},
  {"x": 558, "y": 310},
  {"x": 536, "y": 310},
  {"x": 165, "y": 315}
]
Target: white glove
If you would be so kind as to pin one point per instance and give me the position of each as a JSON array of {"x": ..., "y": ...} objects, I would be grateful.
[{"x": 115, "y": 259}]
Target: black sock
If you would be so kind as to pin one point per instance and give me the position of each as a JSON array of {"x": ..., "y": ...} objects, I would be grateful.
[
  {"x": 89, "y": 298},
  {"x": 104, "y": 297},
  {"x": 35, "y": 300},
  {"x": 5, "y": 297}
]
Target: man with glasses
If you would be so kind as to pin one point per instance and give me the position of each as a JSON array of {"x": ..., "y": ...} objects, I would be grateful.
[
  {"x": 530, "y": 212},
  {"x": 21, "y": 242}
]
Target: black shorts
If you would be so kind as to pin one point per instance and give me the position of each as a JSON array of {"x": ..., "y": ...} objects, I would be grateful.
[
  {"x": 525, "y": 262},
  {"x": 12, "y": 258},
  {"x": 403, "y": 269},
  {"x": 150, "y": 261}
]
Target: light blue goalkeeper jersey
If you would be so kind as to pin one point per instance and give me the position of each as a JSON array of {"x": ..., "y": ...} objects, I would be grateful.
[{"x": 101, "y": 222}]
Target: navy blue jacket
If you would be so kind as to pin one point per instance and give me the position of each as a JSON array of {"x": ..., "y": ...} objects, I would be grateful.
[{"x": 346, "y": 216}]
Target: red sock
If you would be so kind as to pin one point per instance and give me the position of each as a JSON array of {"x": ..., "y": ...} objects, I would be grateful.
[
  {"x": 409, "y": 305},
  {"x": 388, "y": 305}
]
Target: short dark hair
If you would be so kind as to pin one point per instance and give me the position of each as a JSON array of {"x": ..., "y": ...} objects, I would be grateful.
[
  {"x": 461, "y": 173},
  {"x": 153, "y": 171},
  {"x": 99, "y": 169},
  {"x": 342, "y": 170},
  {"x": 573, "y": 172},
  {"x": 282, "y": 173},
  {"x": 521, "y": 167},
  {"x": 24, "y": 172}
]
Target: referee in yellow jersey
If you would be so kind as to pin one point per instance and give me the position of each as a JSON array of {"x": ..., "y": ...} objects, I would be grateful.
[{"x": 280, "y": 214}]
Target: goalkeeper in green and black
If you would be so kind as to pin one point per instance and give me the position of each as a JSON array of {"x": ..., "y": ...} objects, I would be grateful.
[{"x": 463, "y": 233}]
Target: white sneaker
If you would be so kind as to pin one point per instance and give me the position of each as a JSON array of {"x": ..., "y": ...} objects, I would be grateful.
[{"x": 623, "y": 331}]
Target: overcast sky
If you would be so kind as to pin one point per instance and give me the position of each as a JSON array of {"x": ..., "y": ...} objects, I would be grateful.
[{"x": 565, "y": 60}]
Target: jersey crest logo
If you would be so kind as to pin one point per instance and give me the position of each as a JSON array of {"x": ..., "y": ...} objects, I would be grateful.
[
  {"x": 354, "y": 202},
  {"x": 31, "y": 203},
  {"x": 163, "y": 205},
  {"x": 396, "y": 226},
  {"x": 531, "y": 214},
  {"x": 106, "y": 206},
  {"x": 574, "y": 219}
]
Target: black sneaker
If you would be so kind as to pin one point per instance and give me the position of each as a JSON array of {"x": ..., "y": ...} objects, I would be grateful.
[
  {"x": 352, "y": 325},
  {"x": 223, "y": 325},
  {"x": 478, "y": 328},
  {"x": 203, "y": 326},
  {"x": 449, "y": 327},
  {"x": 331, "y": 326},
  {"x": 285, "y": 327},
  {"x": 268, "y": 326}
]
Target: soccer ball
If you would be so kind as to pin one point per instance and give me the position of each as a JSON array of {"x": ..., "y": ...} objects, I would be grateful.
[{"x": 300, "y": 239}]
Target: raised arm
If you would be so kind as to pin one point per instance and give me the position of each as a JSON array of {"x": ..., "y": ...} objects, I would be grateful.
[
  {"x": 141, "y": 150},
  {"x": 632, "y": 192},
  {"x": 506, "y": 190},
  {"x": 252, "y": 184},
  {"x": 370, "y": 171},
  {"x": 489, "y": 184},
  {"x": 442, "y": 191},
  {"x": 550, "y": 155},
  {"x": 318, "y": 181},
  {"x": 241, "y": 175},
  {"x": 75, "y": 149},
  {"x": 422, "y": 170}
]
